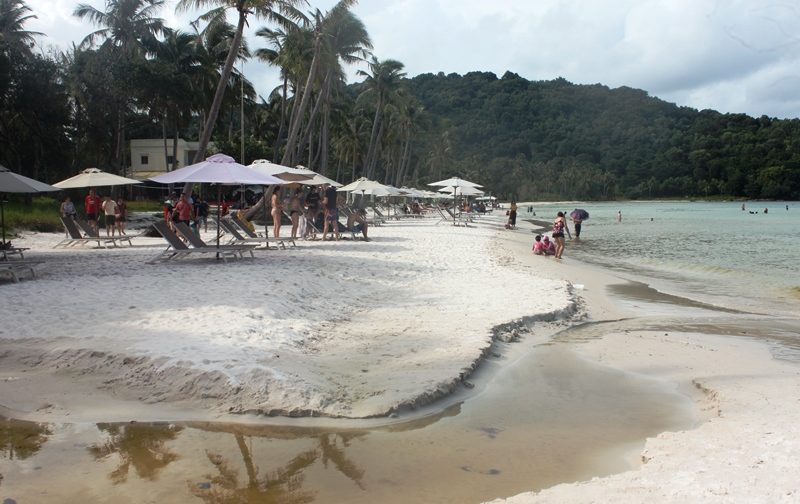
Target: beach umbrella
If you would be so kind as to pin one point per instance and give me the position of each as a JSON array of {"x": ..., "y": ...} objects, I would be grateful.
[
  {"x": 316, "y": 178},
  {"x": 11, "y": 182},
  {"x": 361, "y": 185},
  {"x": 218, "y": 169},
  {"x": 579, "y": 214},
  {"x": 455, "y": 183},
  {"x": 92, "y": 177},
  {"x": 282, "y": 172},
  {"x": 461, "y": 191}
]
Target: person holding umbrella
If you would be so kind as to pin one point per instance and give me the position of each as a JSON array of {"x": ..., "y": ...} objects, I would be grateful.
[{"x": 578, "y": 216}]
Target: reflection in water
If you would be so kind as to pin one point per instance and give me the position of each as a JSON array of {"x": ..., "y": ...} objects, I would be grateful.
[
  {"x": 282, "y": 485},
  {"x": 138, "y": 445},
  {"x": 549, "y": 418},
  {"x": 20, "y": 439}
]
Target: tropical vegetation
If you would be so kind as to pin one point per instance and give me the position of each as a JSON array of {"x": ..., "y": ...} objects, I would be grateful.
[{"x": 135, "y": 77}]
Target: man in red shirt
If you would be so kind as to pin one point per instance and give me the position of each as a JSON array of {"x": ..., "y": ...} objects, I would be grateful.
[
  {"x": 92, "y": 206},
  {"x": 184, "y": 209}
]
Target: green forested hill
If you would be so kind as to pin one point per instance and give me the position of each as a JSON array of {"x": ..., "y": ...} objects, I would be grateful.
[{"x": 548, "y": 139}]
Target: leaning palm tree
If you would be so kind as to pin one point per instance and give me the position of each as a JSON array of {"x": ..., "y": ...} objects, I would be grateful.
[
  {"x": 287, "y": 50},
  {"x": 382, "y": 81},
  {"x": 337, "y": 34},
  {"x": 279, "y": 11}
]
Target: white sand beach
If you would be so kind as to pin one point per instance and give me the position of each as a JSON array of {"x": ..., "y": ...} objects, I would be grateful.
[
  {"x": 340, "y": 329},
  {"x": 358, "y": 330}
]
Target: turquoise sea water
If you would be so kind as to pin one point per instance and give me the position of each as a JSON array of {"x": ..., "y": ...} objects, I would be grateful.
[{"x": 712, "y": 252}]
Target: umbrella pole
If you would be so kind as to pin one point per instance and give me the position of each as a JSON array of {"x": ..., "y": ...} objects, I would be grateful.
[
  {"x": 219, "y": 215},
  {"x": 3, "y": 220},
  {"x": 455, "y": 210},
  {"x": 266, "y": 215}
]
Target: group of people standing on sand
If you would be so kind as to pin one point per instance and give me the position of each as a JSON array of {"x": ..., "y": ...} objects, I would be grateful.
[
  {"x": 114, "y": 212},
  {"x": 192, "y": 210},
  {"x": 305, "y": 213}
]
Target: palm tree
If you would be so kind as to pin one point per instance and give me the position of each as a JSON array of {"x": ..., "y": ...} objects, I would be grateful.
[
  {"x": 171, "y": 78},
  {"x": 287, "y": 50},
  {"x": 278, "y": 11},
  {"x": 347, "y": 41},
  {"x": 13, "y": 16},
  {"x": 338, "y": 35},
  {"x": 383, "y": 81},
  {"x": 127, "y": 26}
]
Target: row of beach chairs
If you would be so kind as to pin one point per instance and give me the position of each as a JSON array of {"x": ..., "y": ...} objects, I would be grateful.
[{"x": 177, "y": 248}]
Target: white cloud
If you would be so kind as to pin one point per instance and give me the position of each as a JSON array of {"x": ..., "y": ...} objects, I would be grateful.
[{"x": 729, "y": 55}]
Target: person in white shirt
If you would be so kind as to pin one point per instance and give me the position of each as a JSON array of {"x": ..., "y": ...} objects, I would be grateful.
[{"x": 110, "y": 210}]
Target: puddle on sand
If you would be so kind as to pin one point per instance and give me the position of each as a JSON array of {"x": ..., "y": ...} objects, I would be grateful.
[{"x": 549, "y": 418}]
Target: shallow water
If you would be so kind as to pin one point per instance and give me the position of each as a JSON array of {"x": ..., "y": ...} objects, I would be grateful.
[
  {"x": 548, "y": 418},
  {"x": 708, "y": 251}
]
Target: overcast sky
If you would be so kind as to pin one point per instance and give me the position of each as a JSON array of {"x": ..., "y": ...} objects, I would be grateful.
[{"x": 726, "y": 55}]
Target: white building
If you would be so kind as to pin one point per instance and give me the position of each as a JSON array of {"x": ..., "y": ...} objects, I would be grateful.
[{"x": 149, "y": 159}]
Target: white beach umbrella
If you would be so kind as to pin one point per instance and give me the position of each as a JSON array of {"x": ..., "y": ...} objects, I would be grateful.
[
  {"x": 217, "y": 169},
  {"x": 316, "y": 178},
  {"x": 455, "y": 182},
  {"x": 282, "y": 172},
  {"x": 92, "y": 177},
  {"x": 361, "y": 185},
  {"x": 461, "y": 191}
]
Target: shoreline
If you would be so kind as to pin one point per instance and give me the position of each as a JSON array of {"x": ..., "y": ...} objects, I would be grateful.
[{"x": 744, "y": 369}]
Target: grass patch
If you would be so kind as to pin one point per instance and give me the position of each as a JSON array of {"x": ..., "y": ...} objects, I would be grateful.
[{"x": 42, "y": 214}]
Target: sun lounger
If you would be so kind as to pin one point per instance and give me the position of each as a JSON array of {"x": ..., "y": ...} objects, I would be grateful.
[
  {"x": 10, "y": 250},
  {"x": 249, "y": 233},
  {"x": 183, "y": 230},
  {"x": 176, "y": 249},
  {"x": 449, "y": 218},
  {"x": 91, "y": 232},
  {"x": 347, "y": 211},
  {"x": 75, "y": 237},
  {"x": 235, "y": 236},
  {"x": 13, "y": 269}
]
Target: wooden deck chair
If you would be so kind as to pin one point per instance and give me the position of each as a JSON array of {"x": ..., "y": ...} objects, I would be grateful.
[
  {"x": 184, "y": 231},
  {"x": 176, "y": 249},
  {"x": 75, "y": 237}
]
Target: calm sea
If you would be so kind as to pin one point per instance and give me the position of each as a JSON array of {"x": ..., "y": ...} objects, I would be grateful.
[{"x": 710, "y": 252}]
